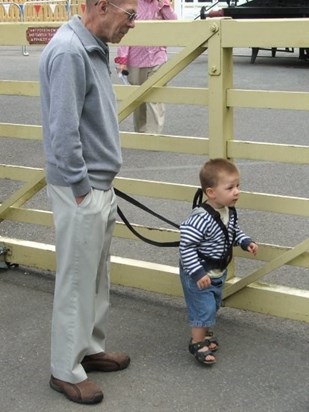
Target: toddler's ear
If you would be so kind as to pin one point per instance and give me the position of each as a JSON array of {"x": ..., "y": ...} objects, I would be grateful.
[{"x": 210, "y": 193}]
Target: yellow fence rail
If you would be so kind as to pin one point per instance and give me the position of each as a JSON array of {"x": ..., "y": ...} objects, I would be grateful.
[{"x": 218, "y": 37}]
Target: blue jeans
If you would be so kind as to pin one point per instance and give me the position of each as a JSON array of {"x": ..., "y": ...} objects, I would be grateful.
[{"x": 202, "y": 304}]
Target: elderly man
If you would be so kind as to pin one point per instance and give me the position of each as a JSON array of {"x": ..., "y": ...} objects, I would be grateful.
[{"x": 83, "y": 155}]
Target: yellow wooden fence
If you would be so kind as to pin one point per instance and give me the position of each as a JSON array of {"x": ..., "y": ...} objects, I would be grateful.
[{"x": 219, "y": 37}]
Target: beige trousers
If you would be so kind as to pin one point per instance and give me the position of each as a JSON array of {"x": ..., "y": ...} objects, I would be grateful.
[
  {"x": 148, "y": 117},
  {"x": 81, "y": 298}
]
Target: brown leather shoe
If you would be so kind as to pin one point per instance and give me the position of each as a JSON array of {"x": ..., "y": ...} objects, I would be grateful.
[
  {"x": 83, "y": 392},
  {"x": 106, "y": 362}
]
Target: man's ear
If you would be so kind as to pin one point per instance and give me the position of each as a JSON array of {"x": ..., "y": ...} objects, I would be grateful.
[{"x": 103, "y": 5}]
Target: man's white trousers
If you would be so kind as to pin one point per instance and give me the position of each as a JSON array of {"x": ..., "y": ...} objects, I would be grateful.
[{"x": 81, "y": 298}]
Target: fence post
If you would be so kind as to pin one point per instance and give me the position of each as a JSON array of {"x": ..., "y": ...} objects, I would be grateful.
[
  {"x": 220, "y": 117},
  {"x": 220, "y": 78}
]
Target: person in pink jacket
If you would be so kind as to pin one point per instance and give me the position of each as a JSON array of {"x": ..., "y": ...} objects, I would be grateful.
[{"x": 142, "y": 62}]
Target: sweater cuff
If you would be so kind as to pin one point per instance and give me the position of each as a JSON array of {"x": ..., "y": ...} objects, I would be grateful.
[
  {"x": 121, "y": 60},
  {"x": 245, "y": 243},
  {"x": 81, "y": 188},
  {"x": 198, "y": 274}
]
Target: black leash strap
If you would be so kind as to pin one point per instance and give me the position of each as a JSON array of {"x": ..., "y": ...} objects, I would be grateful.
[
  {"x": 198, "y": 198},
  {"x": 197, "y": 201},
  {"x": 146, "y": 209},
  {"x": 143, "y": 207}
]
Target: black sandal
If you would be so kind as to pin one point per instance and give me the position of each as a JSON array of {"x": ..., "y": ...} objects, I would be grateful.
[
  {"x": 211, "y": 339},
  {"x": 200, "y": 356}
]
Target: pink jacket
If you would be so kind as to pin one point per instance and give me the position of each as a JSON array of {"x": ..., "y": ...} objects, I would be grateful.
[{"x": 147, "y": 56}]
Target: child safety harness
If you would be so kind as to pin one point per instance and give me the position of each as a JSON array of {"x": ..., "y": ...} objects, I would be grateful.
[
  {"x": 227, "y": 255},
  {"x": 198, "y": 207}
]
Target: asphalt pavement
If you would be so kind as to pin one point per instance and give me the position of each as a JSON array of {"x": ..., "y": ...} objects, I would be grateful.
[{"x": 262, "y": 362}]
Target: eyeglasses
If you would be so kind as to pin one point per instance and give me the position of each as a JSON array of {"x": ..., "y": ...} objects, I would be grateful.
[{"x": 131, "y": 16}]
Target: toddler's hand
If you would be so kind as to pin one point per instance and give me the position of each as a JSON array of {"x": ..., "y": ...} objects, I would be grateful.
[
  {"x": 253, "y": 248},
  {"x": 204, "y": 282}
]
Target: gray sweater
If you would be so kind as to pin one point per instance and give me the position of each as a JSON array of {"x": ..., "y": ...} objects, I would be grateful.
[{"x": 79, "y": 117}]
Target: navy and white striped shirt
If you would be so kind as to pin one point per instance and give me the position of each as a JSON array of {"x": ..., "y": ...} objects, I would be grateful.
[{"x": 201, "y": 233}]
